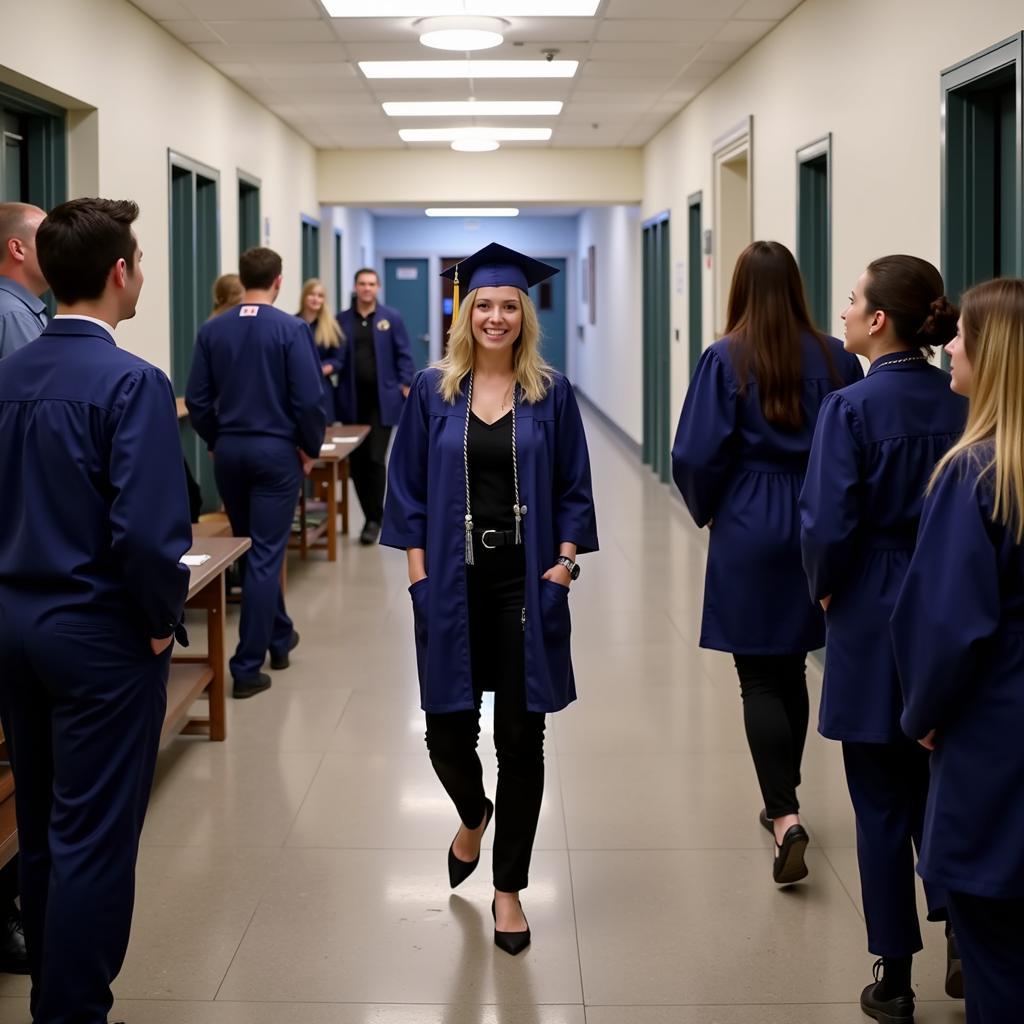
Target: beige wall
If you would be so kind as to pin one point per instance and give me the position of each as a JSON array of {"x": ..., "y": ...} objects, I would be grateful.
[
  {"x": 866, "y": 71},
  {"x": 566, "y": 177},
  {"x": 138, "y": 93}
]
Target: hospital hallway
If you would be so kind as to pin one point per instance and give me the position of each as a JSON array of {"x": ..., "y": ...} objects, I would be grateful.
[{"x": 296, "y": 872}]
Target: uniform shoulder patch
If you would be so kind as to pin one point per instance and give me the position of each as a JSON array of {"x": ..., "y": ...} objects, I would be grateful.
[
  {"x": 249, "y": 311},
  {"x": 383, "y": 325}
]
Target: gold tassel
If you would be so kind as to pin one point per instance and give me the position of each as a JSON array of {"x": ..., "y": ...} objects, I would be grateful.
[{"x": 455, "y": 296}]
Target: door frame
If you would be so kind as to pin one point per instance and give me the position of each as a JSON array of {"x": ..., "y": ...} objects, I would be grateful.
[
  {"x": 245, "y": 178},
  {"x": 657, "y": 351},
  {"x": 692, "y": 200},
  {"x": 804, "y": 155},
  {"x": 737, "y": 141}
]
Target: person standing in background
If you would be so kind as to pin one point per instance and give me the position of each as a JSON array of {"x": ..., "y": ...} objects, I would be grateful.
[
  {"x": 227, "y": 292},
  {"x": 255, "y": 396},
  {"x": 22, "y": 311},
  {"x": 327, "y": 335},
  {"x": 374, "y": 378}
]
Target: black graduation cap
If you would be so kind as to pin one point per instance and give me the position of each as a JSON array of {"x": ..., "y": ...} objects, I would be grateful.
[{"x": 497, "y": 266}]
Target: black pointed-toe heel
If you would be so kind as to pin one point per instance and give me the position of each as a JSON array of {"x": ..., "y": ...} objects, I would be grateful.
[
  {"x": 460, "y": 870},
  {"x": 789, "y": 865},
  {"x": 512, "y": 943}
]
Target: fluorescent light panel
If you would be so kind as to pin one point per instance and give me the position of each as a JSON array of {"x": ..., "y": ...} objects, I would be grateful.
[
  {"x": 475, "y": 108},
  {"x": 472, "y": 211},
  {"x": 469, "y": 68},
  {"x": 461, "y": 8},
  {"x": 454, "y": 134}
]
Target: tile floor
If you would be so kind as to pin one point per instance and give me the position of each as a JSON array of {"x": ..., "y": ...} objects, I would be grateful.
[{"x": 297, "y": 872}]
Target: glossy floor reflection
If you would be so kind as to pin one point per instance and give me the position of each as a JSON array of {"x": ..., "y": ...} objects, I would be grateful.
[{"x": 297, "y": 872}]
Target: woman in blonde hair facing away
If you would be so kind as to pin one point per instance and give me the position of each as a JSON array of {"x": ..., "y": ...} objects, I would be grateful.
[
  {"x": 958, "y": 635},
  {"x": 227, "y": 293},
  {"x": 328, "y": 336},
  {"x": 489, "y": 494}
]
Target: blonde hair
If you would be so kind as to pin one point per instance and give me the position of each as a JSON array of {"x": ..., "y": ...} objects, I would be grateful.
[
  {"x": 326, "y": 330},
  {"x": 992, "y": 320},
  {"x": 532, "y": 373},
  {"x": 227, "y": 293}
]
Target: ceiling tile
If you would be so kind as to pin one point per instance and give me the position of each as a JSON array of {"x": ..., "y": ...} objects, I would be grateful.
[
  {"x": 191, "y": 31},
  {"x": 270, "y": 53},
  {"x": 164, "y": 10},
  {"x": 706, "y": 10},
  {"x": 777, "y": 9},
  {"x": 744, "y": 31},
  {"x": 244, "y": 10},
  {"x": 641, "y": 52},
  {"x": 603, "y": 69},
  {"x": 234, "y": 32},
  {"x": 657, "y": 30},
  {"x": 634, "y": 86},
  {"x": 727, "y": 53},
  {"x": 553, "y": 31},
  {"x": 327, "y": 72}
]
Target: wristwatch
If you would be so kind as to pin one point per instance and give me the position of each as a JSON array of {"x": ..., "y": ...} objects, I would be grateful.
[{"x": 572, "y": 567}]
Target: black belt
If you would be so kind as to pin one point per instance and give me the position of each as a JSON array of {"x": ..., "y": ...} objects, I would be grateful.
[{"x": 490, "y": 539}]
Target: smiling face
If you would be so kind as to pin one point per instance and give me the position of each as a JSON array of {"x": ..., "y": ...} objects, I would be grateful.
[
  {"x": 367, "y": 286},
  {"x": 497, "y": 317},
  {"x": 960, "y": 370},
  {"x": 315, "y": 301}
]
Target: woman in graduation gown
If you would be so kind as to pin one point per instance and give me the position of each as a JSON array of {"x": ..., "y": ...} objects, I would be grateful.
[
  {"x": 329, "y": 339},
  {"x": 489, "y": 493},
  {"x": 739, "y": 458},
  {"x": 958, "y": 635},
  {"x": 875, "y": 446}
]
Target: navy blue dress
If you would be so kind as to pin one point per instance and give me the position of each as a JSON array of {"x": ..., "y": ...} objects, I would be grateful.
[
  {"x": 734, "y": 467},
  {"x": 875, "y": 446}
]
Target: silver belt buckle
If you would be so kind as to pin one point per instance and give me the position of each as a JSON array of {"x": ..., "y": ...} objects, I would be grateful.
[{"x": 483, "y": 540}]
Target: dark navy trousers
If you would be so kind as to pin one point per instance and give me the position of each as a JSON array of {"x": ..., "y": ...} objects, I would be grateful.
[
  {"x": 82, "y": 700},
  {"x": 991, "y": 943},
  {"x": 888, "y": 785},
  {"x": 258, "y": 478}
]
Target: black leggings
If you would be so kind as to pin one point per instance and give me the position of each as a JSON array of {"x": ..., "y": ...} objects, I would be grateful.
[
  {"x": 775, "y": 714},
  {"x": 496, "y": 646}
]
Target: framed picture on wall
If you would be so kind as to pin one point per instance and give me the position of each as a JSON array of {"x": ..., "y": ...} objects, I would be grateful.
[{"x": 592, "y": 283}]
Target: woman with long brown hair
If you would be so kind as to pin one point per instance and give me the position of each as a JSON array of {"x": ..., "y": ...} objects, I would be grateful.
[
  {"x": 739, "y": 459},
  {"x": 958, "y": 635}
]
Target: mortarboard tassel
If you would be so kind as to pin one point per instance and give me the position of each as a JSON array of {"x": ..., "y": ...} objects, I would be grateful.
[{"x": 455, "y": 295}]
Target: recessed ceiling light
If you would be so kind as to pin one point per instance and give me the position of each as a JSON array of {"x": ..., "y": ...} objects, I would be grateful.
[
  {"x": 461, "y": 34},
  {"x": 475, "y": 108},
  {"x": 457, "y": 133},
  {"x": 475, "y": 145},
  {"x": 469, "y": 68},
  {"x": 472, "y": 211},
  {"x": 461, "y": 8}
]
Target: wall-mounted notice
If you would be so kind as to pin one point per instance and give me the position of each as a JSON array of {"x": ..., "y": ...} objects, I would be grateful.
[{"x": 407, "y": 273}]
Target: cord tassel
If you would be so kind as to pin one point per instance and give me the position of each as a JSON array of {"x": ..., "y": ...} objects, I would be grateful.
[{"x": 469, "y": 541}]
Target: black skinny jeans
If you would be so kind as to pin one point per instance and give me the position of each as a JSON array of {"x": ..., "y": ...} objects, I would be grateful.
[
  {"x": 368, "y": 463},
  {"x": 496, "y": 651},
  {"x": 775, "y": 714}
]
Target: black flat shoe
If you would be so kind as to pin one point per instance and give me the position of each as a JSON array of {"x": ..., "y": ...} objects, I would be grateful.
[
  {"x": 512, "y": 943},
  {"x": 896, "y": 1010},
  {"x": 243, "y": 688},
  {"x": 954, "y": 968},
  {"x": 13, "y": 956},
  {"x": 789, "y": 863},
  {"x": 370, "y": 533},
  {"x": 765, "y": 822},
  {"x": 281, "y": 661},
  {"x": 460, "y": 870}
]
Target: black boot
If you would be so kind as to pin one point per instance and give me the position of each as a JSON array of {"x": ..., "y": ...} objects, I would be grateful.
[
  {"x": 954, "y": 968},
  {"x": 13, "y": 956},
  {"x": 890, "y": 999}
]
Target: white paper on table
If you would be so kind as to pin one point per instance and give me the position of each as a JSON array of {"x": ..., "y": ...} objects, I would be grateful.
[
  {"x": 328, "y": 447},
  {"x": 344, "y": 440},
  {"x": 194, "y": 559}
]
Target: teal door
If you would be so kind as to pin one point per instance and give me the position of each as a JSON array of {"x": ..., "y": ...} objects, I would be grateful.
[
  {"x": 549, "y": 298},
  {"x": 814, "y": 229},
  {"x": 407, "y": 288},
  {"x": 694, "y": 281},
  {"x": 657, "y": 353}
]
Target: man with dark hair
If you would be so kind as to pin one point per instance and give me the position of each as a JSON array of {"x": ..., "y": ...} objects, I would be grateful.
[
  {"x": 255, "y": 397},
  {"x": 93, "y": 525},
  {"x": 374, "y": 377},
  {"x": 22, "y": 311}
]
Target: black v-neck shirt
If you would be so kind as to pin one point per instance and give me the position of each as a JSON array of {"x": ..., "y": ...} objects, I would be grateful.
[{"x": 491, "y": 484}]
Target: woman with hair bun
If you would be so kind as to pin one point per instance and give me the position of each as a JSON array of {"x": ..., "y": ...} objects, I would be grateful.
[
  {"x": 958, "y": 634},
  {"x": 875, "y": 446}
]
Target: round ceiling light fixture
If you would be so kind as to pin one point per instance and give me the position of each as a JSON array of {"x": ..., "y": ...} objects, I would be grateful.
[
  {"x": 476, "y": 145},
  {"x": 461, "y": 34}
]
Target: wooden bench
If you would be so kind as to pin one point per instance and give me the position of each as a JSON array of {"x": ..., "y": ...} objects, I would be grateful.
[{"x": 317, "y": 526}]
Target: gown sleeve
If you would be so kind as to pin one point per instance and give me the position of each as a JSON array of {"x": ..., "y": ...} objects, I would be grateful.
[
  {"x": 201, "y": 395},
  {"x": 574, "y": 517},
  {"x": 405, "y": 506},
  {"x": 831, "y": 501},
  {"x": 949, "y": 604},
  {"x": 703, "y": 450},
  {"x": 306, "y": 392}
]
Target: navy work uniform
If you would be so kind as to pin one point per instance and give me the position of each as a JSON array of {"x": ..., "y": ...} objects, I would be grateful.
[
  {"x": 254, "y": 395},
  {"x": 958, "y": 635},
  {"x": 875, "y": 446},
  {"x": 375, "y": 364},
  {"x": 93, "y": 525}
]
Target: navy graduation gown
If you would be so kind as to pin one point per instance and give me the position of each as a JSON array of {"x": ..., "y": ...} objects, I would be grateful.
[
  {"x": 958, "y": 636},
  {"x": 257, "y": 373},
  {"x": 734, "y": 467},
  {"x": 426, "y": 507},
  {"x": 875, "y": 446},
  {"x": 395, "y": 366},
  {"x": 330, "y": 359}
]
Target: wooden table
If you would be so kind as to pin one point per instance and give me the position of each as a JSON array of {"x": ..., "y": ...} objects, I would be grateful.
[
  {"x": 196, "y": 675},
  {"x": 8, "y": 821},
  {"x": 329, "y": 470}
]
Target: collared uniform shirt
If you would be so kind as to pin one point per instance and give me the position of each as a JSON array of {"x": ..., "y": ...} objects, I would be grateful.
[{"x": 22, "y": 316}]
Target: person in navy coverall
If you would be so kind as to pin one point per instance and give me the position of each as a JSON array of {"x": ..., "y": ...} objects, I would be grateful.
[
  {"x": 374, "y": 375},
  {"x": 255, "y": 397},
  {"x": 93, "y": 525},
  {"x": 490, "y": 496},
  {"x": 958, "y": 635},
  {"x": 739, "y": 458},
  {"x": 875, "y": 446}
]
